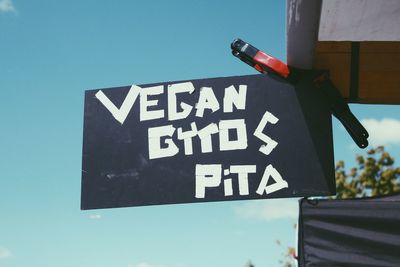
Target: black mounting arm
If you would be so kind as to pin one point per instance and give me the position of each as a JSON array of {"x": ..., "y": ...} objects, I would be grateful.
[{"x": 267, "y": 64}]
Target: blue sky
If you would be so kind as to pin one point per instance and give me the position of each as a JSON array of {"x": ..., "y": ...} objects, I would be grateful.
[{"x": 50, "y": 52}]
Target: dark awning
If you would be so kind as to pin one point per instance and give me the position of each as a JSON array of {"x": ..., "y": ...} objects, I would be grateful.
[{"x": 358, "y": 232}]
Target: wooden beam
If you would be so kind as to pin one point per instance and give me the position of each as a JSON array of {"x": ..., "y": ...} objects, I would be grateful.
[{"x": 379, "y": 69}]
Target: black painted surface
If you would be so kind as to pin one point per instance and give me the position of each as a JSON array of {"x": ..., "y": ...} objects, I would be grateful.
[
  {"x": 117, "y": 171},
  {"x": 361, "y": 232}
]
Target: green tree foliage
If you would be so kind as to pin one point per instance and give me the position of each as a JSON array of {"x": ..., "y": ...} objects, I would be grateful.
[{"x": 375, "y": 175}]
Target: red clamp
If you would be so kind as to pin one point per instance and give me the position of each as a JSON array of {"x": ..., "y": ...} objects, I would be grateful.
[{"x": 259, "y": 60}]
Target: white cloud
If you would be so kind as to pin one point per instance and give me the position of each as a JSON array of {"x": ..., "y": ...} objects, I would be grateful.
[
  {"x": 4, "y": 253},
  {"x": 269, "y": 209},
  {"x": 383, "y": 132},
  {"x": 6, "y": 6},
  {"x": 144, "y": 264},
  {"x": 95, "y": 216}
]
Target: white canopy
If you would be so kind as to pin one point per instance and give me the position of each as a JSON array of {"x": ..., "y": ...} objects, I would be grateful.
[{"x": 360, "y": 20}]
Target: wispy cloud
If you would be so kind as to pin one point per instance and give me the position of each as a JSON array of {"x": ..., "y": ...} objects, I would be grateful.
[
  {"x": 383, "y": 132},
  {"x": 4, "y": 253},
  {"x": 95, "y": 216},
  {"x": 268, "y": 210},
  {"x": 144, "y": 264},
  {"x": 6, "y": 6}
]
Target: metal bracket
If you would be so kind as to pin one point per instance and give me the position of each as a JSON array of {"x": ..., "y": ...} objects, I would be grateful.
[{"x": 267, "y": 64}]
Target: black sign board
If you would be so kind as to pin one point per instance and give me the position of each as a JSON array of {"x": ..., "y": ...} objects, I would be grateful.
[{"x": 232, "y": 138}]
